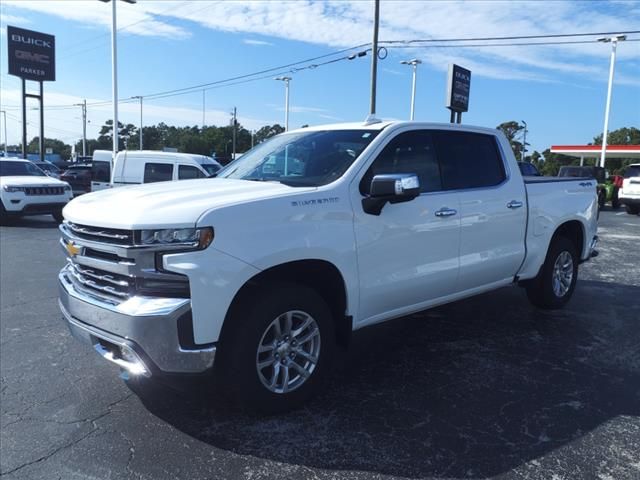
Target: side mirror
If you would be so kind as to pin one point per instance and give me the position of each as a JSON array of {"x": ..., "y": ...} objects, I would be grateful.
[{"x": 392, "y": 188}]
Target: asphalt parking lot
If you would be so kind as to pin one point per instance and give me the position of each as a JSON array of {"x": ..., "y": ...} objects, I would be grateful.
[{"x": 487, "y": 387}]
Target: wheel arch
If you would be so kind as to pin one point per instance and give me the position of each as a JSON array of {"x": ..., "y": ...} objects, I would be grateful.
[
  {"x": 320, "y": 275},
  {"x": 574, "y": 231}
]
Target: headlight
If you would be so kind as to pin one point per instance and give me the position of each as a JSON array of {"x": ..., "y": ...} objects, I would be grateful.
[
  {"x": 67, "y": 188},
  {"x": 199, "y": 238},
  {"x": 12, "y": 189}
]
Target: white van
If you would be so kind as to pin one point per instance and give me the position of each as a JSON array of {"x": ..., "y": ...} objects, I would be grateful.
[
  {"x": 148, "y": 166},
  {"x": 101, "y": 170}
]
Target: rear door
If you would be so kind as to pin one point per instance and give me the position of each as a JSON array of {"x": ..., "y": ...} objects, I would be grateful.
[
  {"x": 493, "y": 210},
  {"x": 100, "y": 175}
]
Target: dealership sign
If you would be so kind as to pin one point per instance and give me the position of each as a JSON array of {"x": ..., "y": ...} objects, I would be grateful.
[
  {"x": 458, "y": 87},
  {"x": 32, "y": 55}
]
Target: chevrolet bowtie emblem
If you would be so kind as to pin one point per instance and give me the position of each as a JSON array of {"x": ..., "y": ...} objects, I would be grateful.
[{"x": 73, "y": 249}]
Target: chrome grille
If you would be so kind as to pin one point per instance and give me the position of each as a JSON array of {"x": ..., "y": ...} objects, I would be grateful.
[
  {"x": 103, "y": 235},
  {"x": 101, "y": 282},
  {"x": 44, "y": 191}
]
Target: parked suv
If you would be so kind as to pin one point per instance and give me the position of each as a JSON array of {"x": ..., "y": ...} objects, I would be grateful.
[
  {"x": 27, "y": 190},
  {"x": 630, "y": 192}
]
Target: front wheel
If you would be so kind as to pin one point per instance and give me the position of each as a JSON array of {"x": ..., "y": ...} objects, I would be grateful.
[
  {"x": 277, "y": 348},
  {"x": 554, "y": 285}
]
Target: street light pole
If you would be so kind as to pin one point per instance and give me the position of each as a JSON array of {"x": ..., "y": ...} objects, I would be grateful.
[
  {"x": 286, "y": 81},
  {"x": 414, "y": 63},
  {"x": 614, "y": 43},
  {"x": 6, "y": 154},
  {"x": 374, "y": 58},
  {"x": 139, "y": 97},
  {"x": 524, "y": 142},
  {"x": 114, "y": 72}
]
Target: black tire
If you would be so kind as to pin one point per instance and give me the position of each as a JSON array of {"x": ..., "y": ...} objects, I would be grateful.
[
  {"x": 615, "y": 201},
  {"x": 540, "y": 290},
  {"x": 237, "y": 350},
  {"x": 57, "y": 216},
  {"x": 632, "y": 209},
  {"x": 602, "y": 198},
  {"x": 5, "y": 218}
]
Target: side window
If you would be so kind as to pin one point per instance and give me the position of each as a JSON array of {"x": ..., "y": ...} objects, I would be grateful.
[
  {"x": 158, "y": 172},
  {"x": 409, "y": 152},
  {"x": 186, "y": 172},
  {"x": 468, "y": 160}
]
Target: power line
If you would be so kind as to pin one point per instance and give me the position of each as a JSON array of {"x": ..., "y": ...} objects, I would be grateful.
[
  {"x": 520, "y": 44},
  {"x": 518, "y": 37}
]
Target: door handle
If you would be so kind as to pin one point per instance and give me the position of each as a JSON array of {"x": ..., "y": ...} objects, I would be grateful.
[
  {"x": 514, "y": 204},
  {"x": 446, "y": 212}
]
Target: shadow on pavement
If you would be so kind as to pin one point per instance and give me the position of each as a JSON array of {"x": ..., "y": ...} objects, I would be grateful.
[
  {"x": 472, "y": 389},
  {"x": 40, "y": 221}
]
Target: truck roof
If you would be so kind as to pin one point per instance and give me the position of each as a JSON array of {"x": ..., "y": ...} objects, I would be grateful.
[{"x": 382, "y": 124}]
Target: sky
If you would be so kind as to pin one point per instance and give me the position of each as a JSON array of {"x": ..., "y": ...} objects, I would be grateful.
[{"x": 163, "y": 45}]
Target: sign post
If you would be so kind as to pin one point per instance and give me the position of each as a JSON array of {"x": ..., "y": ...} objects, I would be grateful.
[
  {"x": 32, "y": 56},
  {"x": 458, "y": 88}
]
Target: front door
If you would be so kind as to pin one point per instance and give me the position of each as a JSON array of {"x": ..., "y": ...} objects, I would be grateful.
[{"x": 408, "y": 255}]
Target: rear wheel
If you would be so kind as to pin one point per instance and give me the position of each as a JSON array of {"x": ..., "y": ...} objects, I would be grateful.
[
  {"x": 277, "y": 349},
  {"x": 632, "y": 209},
  {"x": 554, "y": 285},
  {"x": 602, "y": 198}
]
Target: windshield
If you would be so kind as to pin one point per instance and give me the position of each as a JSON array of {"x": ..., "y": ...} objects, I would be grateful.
[
  {"x": 47, "y": 167},
  {"x": 310, "y": 158},
  {"x": 14, "y": 169},
  {"x": 211, "y": 168}
]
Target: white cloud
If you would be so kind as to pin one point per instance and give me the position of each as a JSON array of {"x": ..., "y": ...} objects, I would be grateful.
[
  {"x": 249, "y": 41},
  {"x": 342, "y": 23},
  {"x": 14, "y": 20}
]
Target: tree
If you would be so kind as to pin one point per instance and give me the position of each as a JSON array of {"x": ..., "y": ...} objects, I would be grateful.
[
  {"x": 57, "y": 146},
  {"x": 622, "y": 136},
  {"x": 511, "y": 130},
  {"x": 268, "y": 131}
]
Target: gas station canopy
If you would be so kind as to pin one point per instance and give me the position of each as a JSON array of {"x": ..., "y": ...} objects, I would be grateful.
[{"x": 593, "y": 151}]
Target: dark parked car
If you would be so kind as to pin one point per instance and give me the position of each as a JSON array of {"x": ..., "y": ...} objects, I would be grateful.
[
  {"x": 79, "y": 177},
  {"x": 528, "y": 169}
]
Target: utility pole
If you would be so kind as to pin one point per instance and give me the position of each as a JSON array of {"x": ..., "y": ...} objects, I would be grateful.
[
  {"x": 234, "y": 134},
  {"x": 374, "y": 57},
  {"x": 4, "y": 113},
  {"x": 139, "y": 97},
  {"x": 414, "y": 63},
  {"x": 84, "y": 126},
  {"x": 614, "y": 43},
  {"x": 524, "y": 142}
]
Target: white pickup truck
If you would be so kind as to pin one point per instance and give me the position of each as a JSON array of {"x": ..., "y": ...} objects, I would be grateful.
[{"x": 309, "y": 236}]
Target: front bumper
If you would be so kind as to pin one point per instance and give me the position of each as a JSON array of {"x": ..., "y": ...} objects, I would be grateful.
[{"x": 140, "y": 334}]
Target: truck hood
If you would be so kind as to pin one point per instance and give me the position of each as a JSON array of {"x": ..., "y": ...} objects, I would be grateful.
[
  {"x": 32, "y": 181},
  {"x": 168, "y": 204}
]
